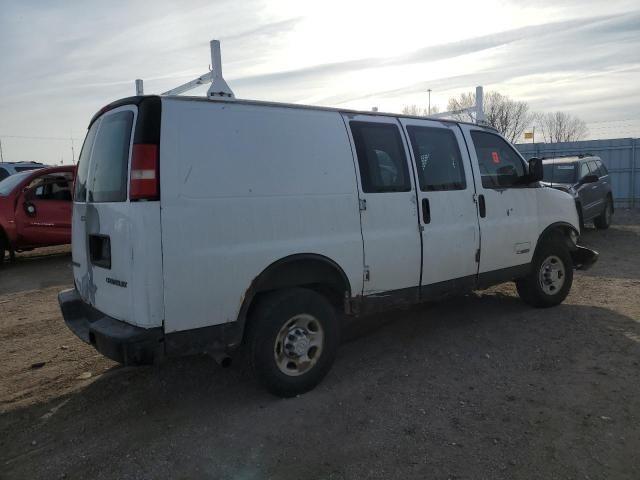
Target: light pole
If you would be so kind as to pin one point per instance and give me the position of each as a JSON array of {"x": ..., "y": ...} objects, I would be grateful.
[
  {"x": 1, "y": 155},
  {"x": 429, "y": 92}
]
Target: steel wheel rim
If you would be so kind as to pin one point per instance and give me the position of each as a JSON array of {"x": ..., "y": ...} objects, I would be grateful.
[
  {"x": 298, "y": 345},
  {"x": 552, "y": 275}
]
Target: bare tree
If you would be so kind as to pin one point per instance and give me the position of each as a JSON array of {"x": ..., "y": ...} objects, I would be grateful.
[
  {"x": 419, "y": 112},
  {"x": 561, "y": 127},
  {"x": 459, "y": 105},
  {"x": 509, "y": 117}
]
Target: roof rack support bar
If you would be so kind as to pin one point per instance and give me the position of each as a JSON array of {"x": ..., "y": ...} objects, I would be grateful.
[
  {"x": 478, "y": 109},
  {"x": 218, "y": 88}
]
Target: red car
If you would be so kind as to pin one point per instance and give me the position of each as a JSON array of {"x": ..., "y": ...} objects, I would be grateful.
[{"x": 35, "y": 209}]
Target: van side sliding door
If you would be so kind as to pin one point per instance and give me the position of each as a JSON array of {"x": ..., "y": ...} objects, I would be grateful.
[
  {"x": 388, "y": 206},
  {"x": 448, "y": 215}
]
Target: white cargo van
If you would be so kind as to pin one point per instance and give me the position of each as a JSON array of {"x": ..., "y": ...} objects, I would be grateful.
[{"x": 203, "y": 225}]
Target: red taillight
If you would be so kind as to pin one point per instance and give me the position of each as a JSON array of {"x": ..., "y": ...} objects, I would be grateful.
[{"x": 145, "y": 173}]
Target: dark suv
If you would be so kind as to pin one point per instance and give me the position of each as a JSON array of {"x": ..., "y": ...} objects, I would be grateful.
[{"x": 585, "y": 178}]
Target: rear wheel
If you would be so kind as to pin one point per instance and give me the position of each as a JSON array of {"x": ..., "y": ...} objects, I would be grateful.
[
  {"x": 293, "y": 338},
  {"x": 603, "y": 221},
  {"x": 551, "y": 275},
  {"x": 3, "y": 247}
]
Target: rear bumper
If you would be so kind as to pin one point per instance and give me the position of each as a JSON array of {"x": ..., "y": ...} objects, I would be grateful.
[
  {"x": 583, "y": 258},
  {"x": 117, "y": 340}
]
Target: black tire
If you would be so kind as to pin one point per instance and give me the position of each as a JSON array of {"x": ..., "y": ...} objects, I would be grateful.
[
  {"x": 603, "y": 221},
  {"x": 3, "y": 247},
  {"x": 550, "y": 255},
  {"x": 274, "y": 314}
]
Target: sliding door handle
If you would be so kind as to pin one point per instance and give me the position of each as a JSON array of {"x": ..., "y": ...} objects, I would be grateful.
[
  {"x": 426, "y": 211},
  {"x": 482, "y": 207}
]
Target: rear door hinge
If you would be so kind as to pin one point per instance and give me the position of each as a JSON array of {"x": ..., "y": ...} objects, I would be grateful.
[
  {"x": 363, "y": 204},
  {"x": 475, "y": 198},
  {"x": 478, "y": 256}
]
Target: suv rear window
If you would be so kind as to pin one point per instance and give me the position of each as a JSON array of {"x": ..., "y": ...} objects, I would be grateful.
[
  {"x": 559, "y": 172},
  {"x": 110, "y": 158}
]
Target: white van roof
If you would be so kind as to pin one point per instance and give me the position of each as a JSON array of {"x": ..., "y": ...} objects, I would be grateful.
[{"x": 137, "y": 99}]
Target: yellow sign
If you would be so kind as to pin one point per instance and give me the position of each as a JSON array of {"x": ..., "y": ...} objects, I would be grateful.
[{"x": 528, "y": 135}]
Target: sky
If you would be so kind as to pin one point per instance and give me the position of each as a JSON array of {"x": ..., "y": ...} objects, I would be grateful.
[{"x": 60, "y": 62}]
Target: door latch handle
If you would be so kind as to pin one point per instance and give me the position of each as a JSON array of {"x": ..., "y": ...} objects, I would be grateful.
[
  {"x": 482, "y": 208},
  {"x": 426, "y": 211}
]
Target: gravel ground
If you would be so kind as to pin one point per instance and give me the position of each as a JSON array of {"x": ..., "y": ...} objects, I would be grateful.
[{"x": 478, "y": 387}]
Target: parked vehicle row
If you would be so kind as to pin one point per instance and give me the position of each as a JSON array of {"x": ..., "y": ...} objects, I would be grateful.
[{"x": 202, "y": 225}]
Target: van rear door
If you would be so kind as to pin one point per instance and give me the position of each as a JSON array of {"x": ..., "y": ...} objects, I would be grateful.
[{"x": 116, "y": 248}]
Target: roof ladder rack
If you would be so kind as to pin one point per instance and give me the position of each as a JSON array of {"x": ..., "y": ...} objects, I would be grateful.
[{"x": 218, "y": 87}]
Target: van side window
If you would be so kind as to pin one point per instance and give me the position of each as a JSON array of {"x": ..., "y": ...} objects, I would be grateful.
[
  {"x": 381, "y": 157},
  {"x": 438, "y": 159},
  {"x": 110, "y": 159},
  {"x": 500, "y": 166}
]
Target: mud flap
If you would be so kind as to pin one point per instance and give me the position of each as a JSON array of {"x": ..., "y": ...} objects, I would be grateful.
[{"x": 583, "y": 258}]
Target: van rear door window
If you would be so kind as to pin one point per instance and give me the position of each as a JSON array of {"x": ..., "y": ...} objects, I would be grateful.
[
  {"x": 80, "y": 194},
  {"x": 110, "y": 159}
]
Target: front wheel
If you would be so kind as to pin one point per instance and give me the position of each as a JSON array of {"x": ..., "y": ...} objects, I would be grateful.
[
  {"x": 551, "y": 276},
  {"x": 293, "y": 338},
  {"x": 603, "y": 221}
]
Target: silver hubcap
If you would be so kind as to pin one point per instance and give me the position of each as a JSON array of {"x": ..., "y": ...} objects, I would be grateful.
[
  {"x": 298, "y": 345},
  {"x": 551, "y": 276}
]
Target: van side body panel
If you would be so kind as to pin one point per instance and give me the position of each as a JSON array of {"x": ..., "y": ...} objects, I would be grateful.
[{"x": 243, "y": 186}]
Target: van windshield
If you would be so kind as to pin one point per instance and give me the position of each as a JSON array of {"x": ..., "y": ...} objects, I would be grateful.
[
  {"x": 107, "y": 179},
  {"x": 8, "y": 184},
  {"x": 559, "y": 173}
]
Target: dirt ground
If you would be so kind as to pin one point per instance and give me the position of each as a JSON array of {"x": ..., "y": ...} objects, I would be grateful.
[{"x": 478, "y": 387}]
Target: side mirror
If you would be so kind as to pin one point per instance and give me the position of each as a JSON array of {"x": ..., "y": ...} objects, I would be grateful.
[
  {"x": 536, "y": 172},
  {"x": 591, "y": 178}
]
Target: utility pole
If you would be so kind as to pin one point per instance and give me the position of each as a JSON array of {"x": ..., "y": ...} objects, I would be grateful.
[
  {"x": 1, "y": 155},
  {"x": 73, "y": 153},
  {"x": 429, "y": 92}
]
